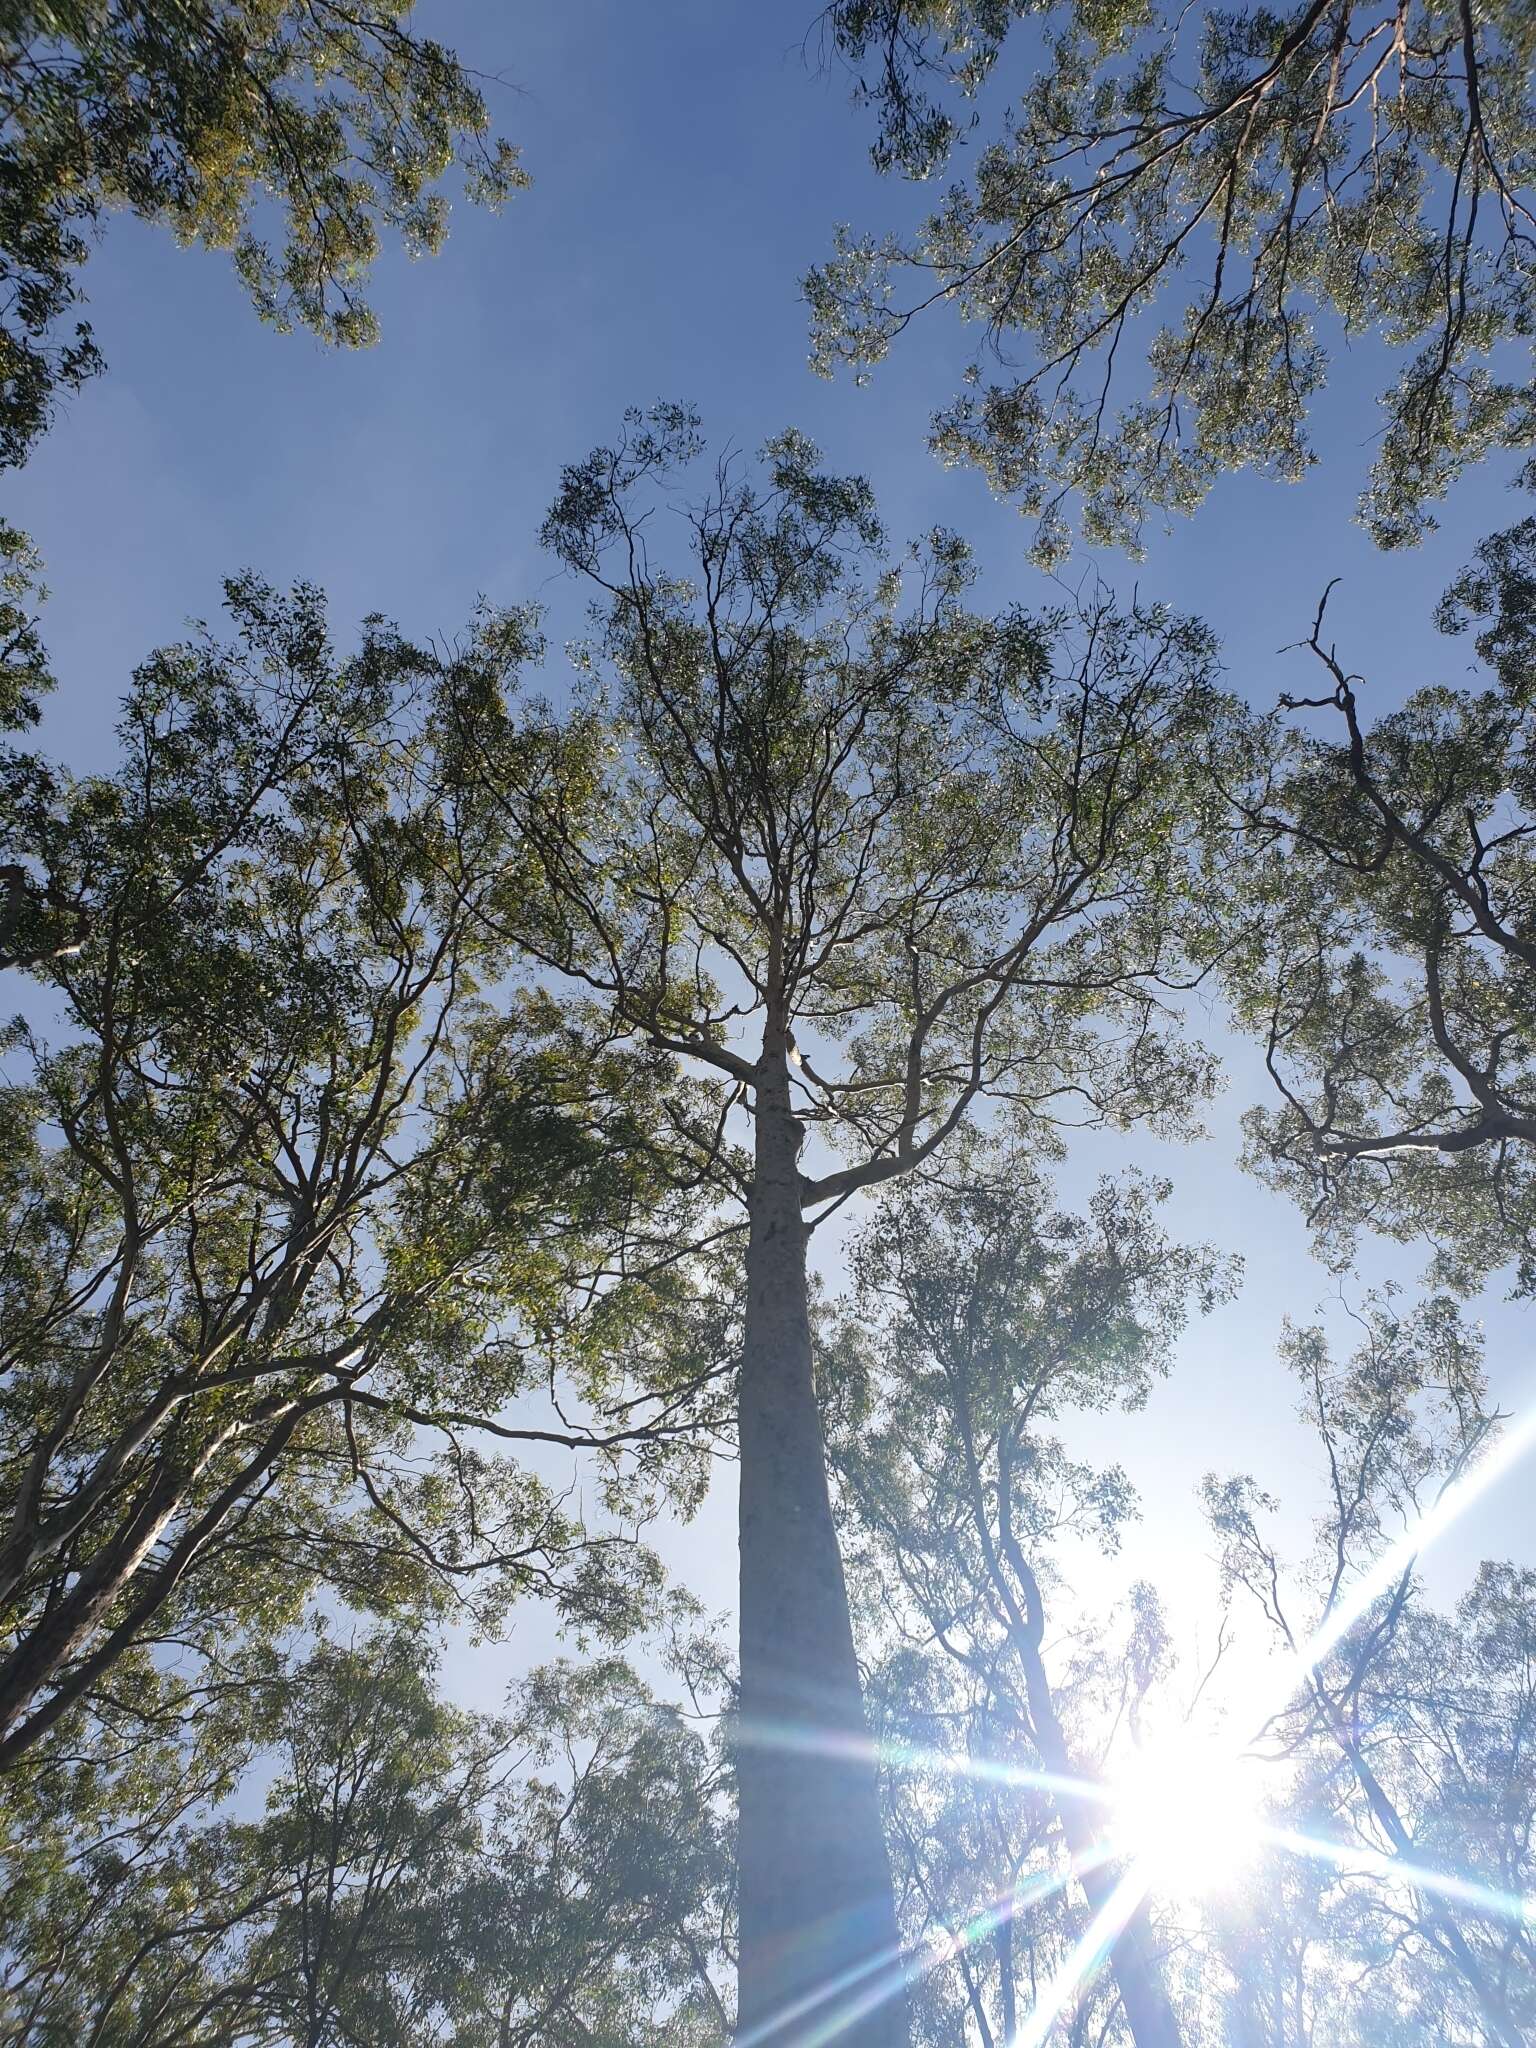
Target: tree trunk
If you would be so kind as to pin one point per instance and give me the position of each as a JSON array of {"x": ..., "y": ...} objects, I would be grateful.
[
  {"x": 1148, "y": 2012},
  {"x": 819, "y": 1945}
]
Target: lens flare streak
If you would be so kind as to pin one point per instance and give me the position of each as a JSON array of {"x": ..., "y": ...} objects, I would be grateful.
[
  {"x": 890, "y": 1755},
  {"x": 1086, "y": 1960},
  {"x": 1349, "y": 1856},
  {"x": 881, "y": 1977},
  {"x": 1297, "y": 1668}
]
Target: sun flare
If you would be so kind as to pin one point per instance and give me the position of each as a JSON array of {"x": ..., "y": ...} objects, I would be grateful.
[{"x": 1188, "y": 1813}]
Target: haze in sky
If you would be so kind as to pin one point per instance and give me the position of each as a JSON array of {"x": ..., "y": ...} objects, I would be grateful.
[{"x": 689, "y": 164}]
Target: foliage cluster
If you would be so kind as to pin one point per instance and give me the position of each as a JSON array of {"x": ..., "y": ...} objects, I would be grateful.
[
  {"x": 1230, "y": 193},
  {"x": 208, "y": 116}
]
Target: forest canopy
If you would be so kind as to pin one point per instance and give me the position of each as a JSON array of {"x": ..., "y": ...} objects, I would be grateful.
[
  {"x": 1228, "y": 194},
  {"x": 764, "y": 1283}
]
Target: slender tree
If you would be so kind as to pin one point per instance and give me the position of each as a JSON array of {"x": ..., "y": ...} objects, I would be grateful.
[
  {"x": 1235, "y": 171},
  {"x": 868, "y": 867},
  {"x": 1411, "y": 1740},
  {"x": 1388, "y": 1902},
  {"x": 991, "y": 1319},
  {"x": 984, "y": 1883}
]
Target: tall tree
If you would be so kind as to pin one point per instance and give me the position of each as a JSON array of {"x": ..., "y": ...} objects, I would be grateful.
[
  {"x": 1247, "y": 173},
  {"x": 993, "y": 1318},
  {"x": 1386, "y": 869},
  {"x": 293, "y": 1213},
  {"x": 867, "y": 864},
  {"x": 197, "y": 114}
]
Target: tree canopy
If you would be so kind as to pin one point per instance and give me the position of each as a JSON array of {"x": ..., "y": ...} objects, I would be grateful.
[
  {"x": 209, "y": 116},
  {"x": 1388, "y": 863},
  {"x": 448, "y": 1114},
  {"x": 1228, "y": 193},
  {"x": 413, "y": 1873},
  {"x": 296, "y": 1212}
]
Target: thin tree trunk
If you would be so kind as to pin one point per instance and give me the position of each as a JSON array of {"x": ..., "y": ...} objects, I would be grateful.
[
  {"x": 816, "y": 1909},
  {"x": 1137, "y": 1977},
  {"x": 1490, "y": 1999},
  {"x": 1148, "y": 2012}
]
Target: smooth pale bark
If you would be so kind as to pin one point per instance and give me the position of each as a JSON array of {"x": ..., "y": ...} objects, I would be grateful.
[
  {"x": 51, "y": 1649},
  {"x": 817, "y": 1915}
]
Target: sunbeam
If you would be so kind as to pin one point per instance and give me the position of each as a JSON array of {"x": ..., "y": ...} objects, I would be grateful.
[
  {"x": 867, "y": 1985},
  {"x": 891, "y": 1755},
  {"x": 1153, "y": 1826},
  {"x": 1184, "y": 1818},
  {"x": 1295, "y": 1669},
  {"x": 1103, "y": 1931},
  {"x": 1420, "y": 1877}
]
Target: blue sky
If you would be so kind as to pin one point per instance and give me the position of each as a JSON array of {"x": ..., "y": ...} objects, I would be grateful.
[{"x": 689, "y": 163}]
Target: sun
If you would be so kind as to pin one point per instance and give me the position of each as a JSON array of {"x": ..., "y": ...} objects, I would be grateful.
[{"x": 1186, "y": 1811}]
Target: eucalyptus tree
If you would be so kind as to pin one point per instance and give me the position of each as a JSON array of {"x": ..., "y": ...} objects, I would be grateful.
[
  {"x": 985, "y": 1892},
  {"x": 611, "y": 1913},
  {"x": 1210, "y": 189},
  {"x": 1384, "y": 867},
  {"x": 294, "y": 1212},
  {"x": 216, "y": 118},
  {"x": 991, "y": 1319},
  {"x": 1388, "y": 1892},
  {"x": 1409, "y": 1731},
  {"x": 868, "y": 860},
  {"x": 414, "y": 1873}
]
